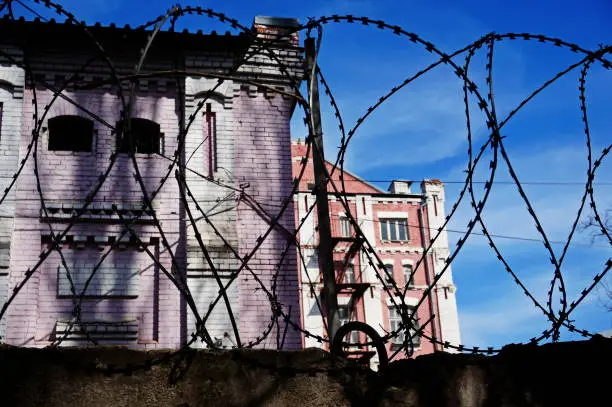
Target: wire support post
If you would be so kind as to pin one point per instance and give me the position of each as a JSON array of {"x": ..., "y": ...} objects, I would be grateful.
[{"x": 330, "y": 298}]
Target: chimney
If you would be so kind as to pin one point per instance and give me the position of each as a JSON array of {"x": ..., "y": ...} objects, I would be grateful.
[
  {"x": 275, "y": 28},
  {"x": 400, "y": 187}
]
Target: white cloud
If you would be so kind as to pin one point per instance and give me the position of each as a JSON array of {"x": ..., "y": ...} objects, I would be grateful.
[
  {"x": 493, "y": 310},
  {"x": 556, "y": 206},
  {"x": 505, "y": 315}
]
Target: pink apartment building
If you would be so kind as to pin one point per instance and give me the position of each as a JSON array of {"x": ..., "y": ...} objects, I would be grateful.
[
  {"x": 396, "y": 222},
  {"x": 237, "y": 150}
]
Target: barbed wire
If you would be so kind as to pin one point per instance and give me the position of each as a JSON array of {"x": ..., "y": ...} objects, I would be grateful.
[{"x": 274, "y": 214}]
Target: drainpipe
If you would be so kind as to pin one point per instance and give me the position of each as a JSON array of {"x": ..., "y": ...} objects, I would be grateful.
[{"x": 432, "y": 303}]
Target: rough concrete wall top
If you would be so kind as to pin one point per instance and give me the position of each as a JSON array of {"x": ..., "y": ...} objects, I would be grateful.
[{"x": 551, "y": 375}]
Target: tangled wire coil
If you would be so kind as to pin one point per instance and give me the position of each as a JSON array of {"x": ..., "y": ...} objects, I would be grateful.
[{"x": 557, "y": 315}]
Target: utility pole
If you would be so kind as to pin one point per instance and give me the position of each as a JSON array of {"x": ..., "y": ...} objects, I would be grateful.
[{"x": 326, "y": 258}]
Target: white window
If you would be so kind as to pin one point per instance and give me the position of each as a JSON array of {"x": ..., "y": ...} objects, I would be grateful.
[
  {"x": 345, "y": 316},
  {"x": 312, "y": 260},
  {"x": 395, "y": 320},
  {"x": 408, "y": 275},
  {"x": 349, "y": 274},
  {"x": 345, "y": 227},
  {"x": 394, "y": 229}
]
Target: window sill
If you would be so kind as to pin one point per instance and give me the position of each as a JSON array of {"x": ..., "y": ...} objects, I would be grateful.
[
  {"x": 71, "y": 153},
  {"x": 147, "y": 342},
  {"x": 396, "y": 346},
  {"x": 395, "y": 241},
  {"x": 138, "y": 155}
]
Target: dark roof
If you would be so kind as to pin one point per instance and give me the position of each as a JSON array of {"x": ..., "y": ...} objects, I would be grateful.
[
  {"x": 277, "y": 21},
  {"x": 21, "y": 30}
]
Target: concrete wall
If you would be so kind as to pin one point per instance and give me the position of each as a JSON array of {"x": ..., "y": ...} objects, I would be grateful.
[{"x": 552, "y": 375}]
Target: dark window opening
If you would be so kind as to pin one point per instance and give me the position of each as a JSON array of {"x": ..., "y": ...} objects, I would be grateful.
[
  {"x": 70, "y": 133},
  {"x": 408, "y": 275},
  {"x": 388, "y": 275},
  {"x": 145, "y": 134},
  {"x": 1, "y": 106},
  {"x": 211, "y": 138},
  {"x": 435, "y": 202}
]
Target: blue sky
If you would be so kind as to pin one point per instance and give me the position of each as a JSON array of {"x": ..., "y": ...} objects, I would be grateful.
[{"x": 421, "y": 132}]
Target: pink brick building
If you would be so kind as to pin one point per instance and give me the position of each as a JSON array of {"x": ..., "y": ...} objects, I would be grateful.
[
  {"x": 236, "y": 151},
  {"x": 396, "y": 222}
]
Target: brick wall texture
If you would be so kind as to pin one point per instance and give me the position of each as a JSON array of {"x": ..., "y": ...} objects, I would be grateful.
[
  {"x": 242, "y": 128},
  {"x": 370, "y": 206}
]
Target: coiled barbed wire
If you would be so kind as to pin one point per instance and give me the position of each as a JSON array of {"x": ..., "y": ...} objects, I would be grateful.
[{"x": 558, "y": 317}]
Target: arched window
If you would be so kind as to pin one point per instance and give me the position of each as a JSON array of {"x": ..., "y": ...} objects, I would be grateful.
[
  {"x": 146, "y": 136},
  {"x": 70, "y": 133}
]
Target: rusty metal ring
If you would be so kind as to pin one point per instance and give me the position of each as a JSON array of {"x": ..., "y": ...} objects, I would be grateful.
[{"x": 336, "y": 346}]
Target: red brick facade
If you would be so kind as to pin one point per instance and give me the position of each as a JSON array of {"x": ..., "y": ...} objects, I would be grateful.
[{"x": 371, "y": 208}]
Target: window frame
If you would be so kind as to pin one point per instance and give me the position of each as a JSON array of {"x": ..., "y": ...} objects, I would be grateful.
[
  {"x": 408, "y": 281},
  {"x": 83, "y": 121},
  {"x": 395, "y": 319},
  {"x": 388, "y": 265},
  {"x": 387, "y": 234},
  {"x": 353, "y": 335},
  {"x": 1, "y": 113},
  {"x": 345, "y": 280},
  {"x": 346, "y": 229}
]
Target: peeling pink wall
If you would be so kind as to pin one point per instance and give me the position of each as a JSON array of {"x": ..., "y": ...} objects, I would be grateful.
[{"x": 69, "y": 177}]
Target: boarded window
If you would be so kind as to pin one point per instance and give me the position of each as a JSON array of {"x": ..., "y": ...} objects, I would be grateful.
[
  {"x": 116, "y": 280},
  {"x": 145, "y": 137},
  {"x": 70, "y": 133}
]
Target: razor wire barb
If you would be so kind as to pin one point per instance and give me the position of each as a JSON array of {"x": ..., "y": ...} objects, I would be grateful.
[{"x": 557, "y": 315}]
